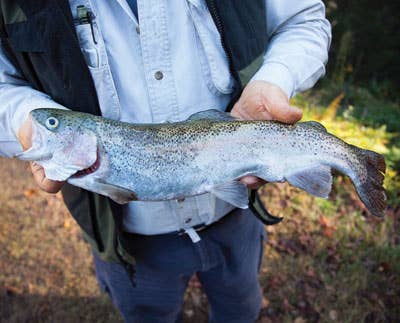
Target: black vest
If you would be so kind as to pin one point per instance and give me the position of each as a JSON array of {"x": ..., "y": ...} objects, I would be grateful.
[{"x": 39, "y": 37}]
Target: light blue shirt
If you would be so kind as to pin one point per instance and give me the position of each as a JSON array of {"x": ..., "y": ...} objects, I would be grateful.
[{"x": 165, "y": 69}]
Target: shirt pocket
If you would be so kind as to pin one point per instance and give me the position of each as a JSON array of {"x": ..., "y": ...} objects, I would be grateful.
[
  {"x": 86, "y": 37},
  {"x": 213, "y": 59},
  {"x": 90, "y": 39},
  {"x": 91, "y": 44},
  {"x": 94, "y": 51}
]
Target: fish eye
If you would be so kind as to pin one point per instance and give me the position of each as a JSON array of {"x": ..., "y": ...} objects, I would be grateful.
[{"x": 52, "y": 123}]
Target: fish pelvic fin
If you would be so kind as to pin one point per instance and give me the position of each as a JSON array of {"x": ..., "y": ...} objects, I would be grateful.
[
  {"x": 316, "y": 180},
  {"x": 117, "y": 193},
  {"x": 369, "y": 184},
  {"x": 233, "y": 192}
]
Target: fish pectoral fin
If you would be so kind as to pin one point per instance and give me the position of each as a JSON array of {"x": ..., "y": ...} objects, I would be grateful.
[
  {"x": 233, "y": 192},
  {"x": 316, "y": 180},
  {"x": 117, "y": 193},
  {"x": 212, "y": 114},
  {"x": 33, "y": 154}
]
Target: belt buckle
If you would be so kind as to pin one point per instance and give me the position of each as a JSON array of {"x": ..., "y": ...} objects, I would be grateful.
[{"x": 196, "y": 228}]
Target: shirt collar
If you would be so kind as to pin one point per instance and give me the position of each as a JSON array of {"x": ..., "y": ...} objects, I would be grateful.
[{"x": 127, "y": 8}]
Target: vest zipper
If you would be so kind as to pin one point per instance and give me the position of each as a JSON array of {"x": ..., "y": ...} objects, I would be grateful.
[{"x": 218, "y": 22}]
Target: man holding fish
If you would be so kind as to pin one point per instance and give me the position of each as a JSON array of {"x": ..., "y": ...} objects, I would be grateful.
[{"x": 160, "y": 61}]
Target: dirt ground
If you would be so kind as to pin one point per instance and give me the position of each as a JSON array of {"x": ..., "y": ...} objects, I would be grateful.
[{"x": 315, "y": 269}]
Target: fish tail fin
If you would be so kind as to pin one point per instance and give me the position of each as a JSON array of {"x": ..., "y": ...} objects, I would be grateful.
[{"x": 370, "y": 179}]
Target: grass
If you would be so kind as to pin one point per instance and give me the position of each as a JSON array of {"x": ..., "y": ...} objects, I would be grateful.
[{"x": 326, "y": 262}]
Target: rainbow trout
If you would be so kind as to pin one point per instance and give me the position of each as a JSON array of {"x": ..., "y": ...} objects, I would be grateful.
[{"x": 208, "y": 152}]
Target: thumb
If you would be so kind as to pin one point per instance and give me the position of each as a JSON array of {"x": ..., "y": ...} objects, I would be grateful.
[
  {"x": 25, "y": 134},
  {"x": 286, "y": 113}
]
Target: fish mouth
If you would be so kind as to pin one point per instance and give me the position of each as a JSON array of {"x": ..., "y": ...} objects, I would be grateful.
[{"x": 90, "y": 170}]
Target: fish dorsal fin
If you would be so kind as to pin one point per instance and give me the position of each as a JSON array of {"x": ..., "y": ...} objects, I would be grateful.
[
  {"x": 233, "y": 192},
  {"x": 315, "y": 180},
  {"x": 317, "y": 125},
  {"x": 211, "y": 114}
]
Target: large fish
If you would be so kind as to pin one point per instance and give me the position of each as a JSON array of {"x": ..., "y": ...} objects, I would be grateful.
[{"x": 208, "y": 152}]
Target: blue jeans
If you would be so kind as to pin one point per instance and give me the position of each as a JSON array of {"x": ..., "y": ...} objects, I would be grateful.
[{"x": 226, "y": 260}]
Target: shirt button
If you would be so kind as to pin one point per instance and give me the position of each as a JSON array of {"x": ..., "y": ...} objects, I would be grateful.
[
  {"x": 138, "y": 29},
  {"x": 188, "y": 220},
  {"x": 158, "y": 75}
]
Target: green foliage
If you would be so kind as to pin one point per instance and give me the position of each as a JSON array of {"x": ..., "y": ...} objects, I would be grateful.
[
  {"x": 342, "y": 58},
  {"x": 365, "y": 43},
  {"x": 361, "y": 104}
]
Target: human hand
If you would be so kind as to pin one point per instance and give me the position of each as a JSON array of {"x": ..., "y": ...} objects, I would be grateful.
[
  {"x": 25, "y": 139},
  {"x": 264, "y": 101}
]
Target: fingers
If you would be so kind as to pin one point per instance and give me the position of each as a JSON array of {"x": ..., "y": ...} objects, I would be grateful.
[
  {"x": 265, "y": 101},
  {"x": 25, "y": 134},
  {"x": 25, "y": 139},
  {"x": 248, "y": 110},
  {"x": 252, "y": 182},
  {"x": 44, "y": 183}
]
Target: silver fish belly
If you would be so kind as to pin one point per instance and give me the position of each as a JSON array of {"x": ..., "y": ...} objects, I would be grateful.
[{"x": 209, "y": 152}]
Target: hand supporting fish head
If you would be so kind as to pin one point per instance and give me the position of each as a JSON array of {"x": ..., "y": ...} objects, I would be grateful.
[{"x": 60, "y": 144}]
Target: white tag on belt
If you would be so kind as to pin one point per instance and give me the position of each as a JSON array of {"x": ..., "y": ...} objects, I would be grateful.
[{"x": 193, "y": 235}]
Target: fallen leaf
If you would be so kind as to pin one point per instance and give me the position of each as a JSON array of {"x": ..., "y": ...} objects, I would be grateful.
[
  {"x": 300, "y": 320},
  {"x": 384, "y": 267},
  {"x": 189, "y": 313},
  {"x": 67, "y": 223},
  {"x": 333, "y": 315},
  {"x": 286, "y": 304},
  {"x": 265, "y": 303},
  {"x": 329, "y": 232},
  {"x": 30, "y": 192},
  {"x": 311, "y": 273},
  {"x": 323, "y": 221},
  {"x": 302, "y": 304}
]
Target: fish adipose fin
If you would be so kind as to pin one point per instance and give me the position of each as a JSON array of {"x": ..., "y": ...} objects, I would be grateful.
[
  {"x": 369, "y": 186},
  {"x": 234, "y": 192},
  {"x": 211, "y": 114},
  {"x": 316, "y": 180},
  {"x": 118, "y": 194}
]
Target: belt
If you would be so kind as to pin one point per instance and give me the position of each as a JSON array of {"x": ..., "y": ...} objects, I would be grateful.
[
  {"x": 128, "y": 240},
  {"x": 197, "y": 228},
  {"x": 200, "y": 227},
  {"x": 190, "y": 231}
]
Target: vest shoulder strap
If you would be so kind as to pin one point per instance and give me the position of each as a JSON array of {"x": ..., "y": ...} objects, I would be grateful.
[{"x": 3, "y": 33}]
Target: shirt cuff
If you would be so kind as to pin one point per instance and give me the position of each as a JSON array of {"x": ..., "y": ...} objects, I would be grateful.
[{"x": 278, "y": 74}]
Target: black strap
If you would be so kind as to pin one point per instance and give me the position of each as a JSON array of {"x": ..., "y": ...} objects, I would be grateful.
[
  {"x": 122, "y": 249},
  {"x": 260, "y": 211},
  {"x": 3, "y": 33}
]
